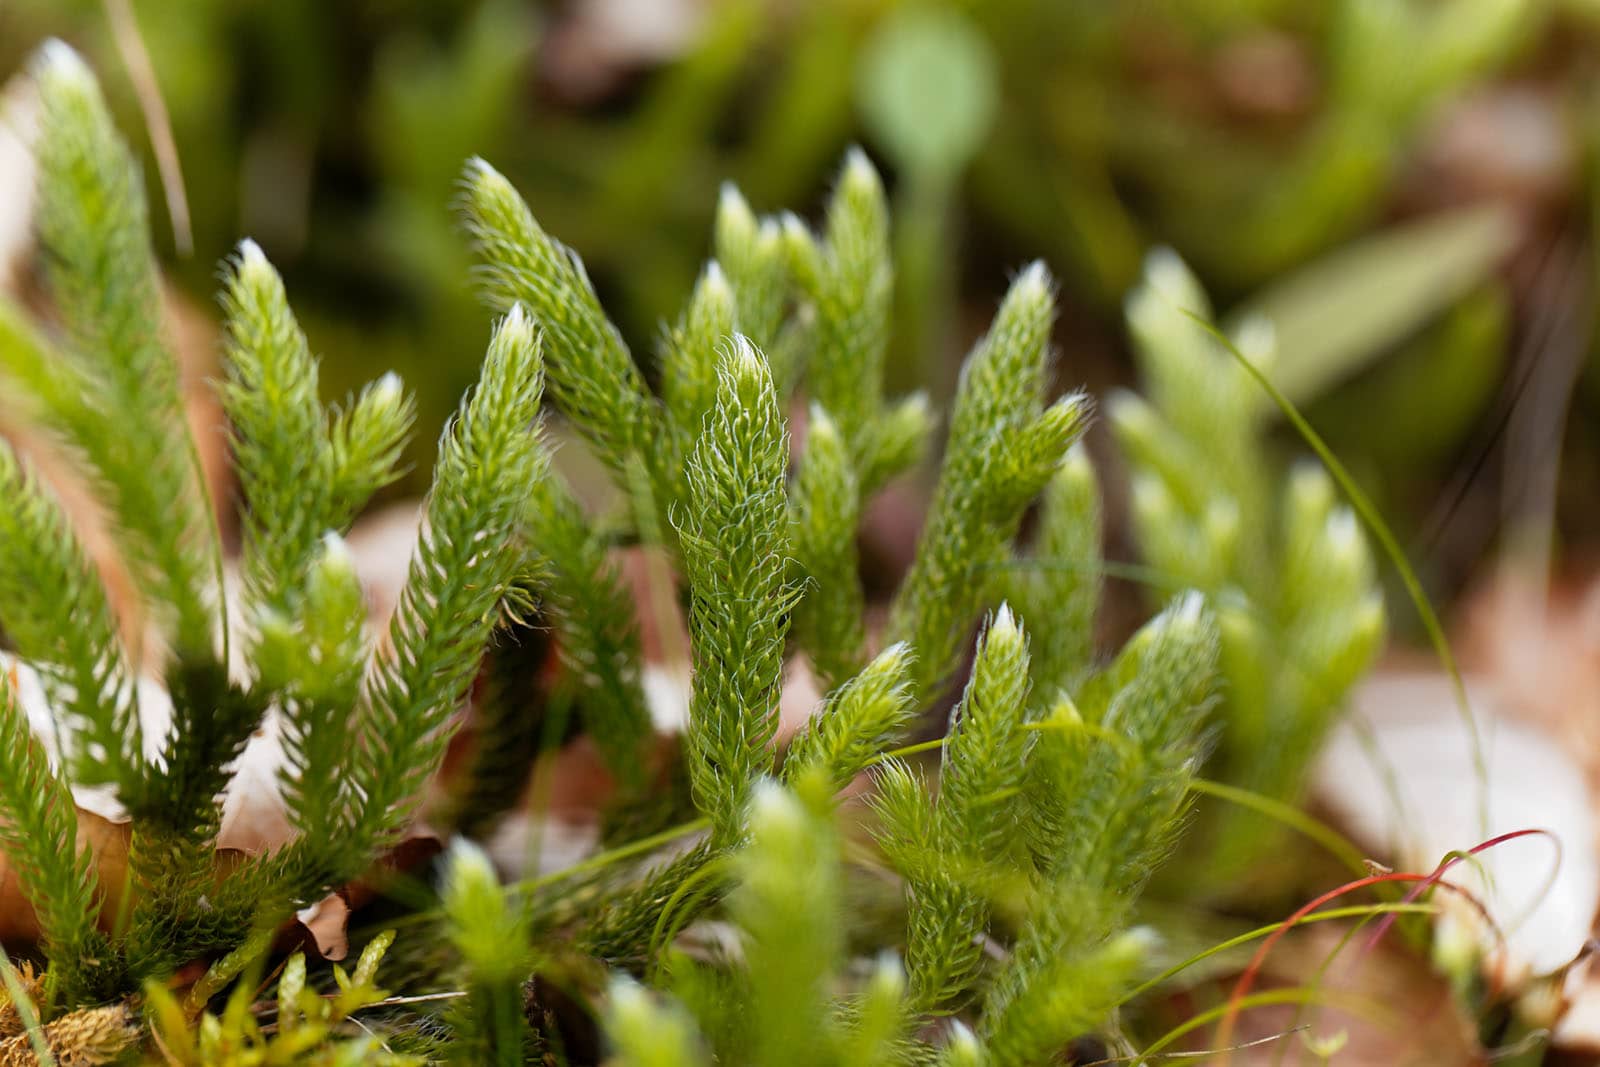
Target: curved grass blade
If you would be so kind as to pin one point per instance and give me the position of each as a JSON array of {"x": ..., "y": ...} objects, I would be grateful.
[{"x": 1339, "y": 846}]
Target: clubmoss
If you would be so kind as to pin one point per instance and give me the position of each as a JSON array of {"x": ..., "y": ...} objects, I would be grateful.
[{"x": 1016, "y": 861}]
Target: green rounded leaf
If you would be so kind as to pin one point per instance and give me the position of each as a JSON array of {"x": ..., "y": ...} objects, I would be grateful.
[{"x": 928, "y": 89}]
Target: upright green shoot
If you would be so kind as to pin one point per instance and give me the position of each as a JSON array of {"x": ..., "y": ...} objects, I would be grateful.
[
  {"x": 735, "y": 536},
  {"x": 39, "y": 833},
  {"x": 102, "y": 277},
  {"x": 593, "y": 378},
  {"x": 1002, "y": 449},
  {"x": 1060, "y": 578},
  {"x": 466, "y": 563},
  {"x": 45, "y": 575},
  {"x": 1299, "y": 610}
]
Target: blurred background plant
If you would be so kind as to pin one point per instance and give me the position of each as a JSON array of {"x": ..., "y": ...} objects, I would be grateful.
[{"x": 1253, "y": 137}]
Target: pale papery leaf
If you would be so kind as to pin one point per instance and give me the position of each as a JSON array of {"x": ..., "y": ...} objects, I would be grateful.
[
  {"x": 1540, "y": 641},
  {"x": 255, "y": 818},
  {"x": 801, "y": 698},
  {"x": 528, "y": 844},
  {"x": 381, "y": 546},
  {"x": 19, "y": 107},
  {"x": 597, "y": 43},
  {"x": 1410, "y": 789}
]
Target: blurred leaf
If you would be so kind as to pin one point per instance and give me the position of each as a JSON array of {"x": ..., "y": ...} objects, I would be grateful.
[
  {"x": 671, "y": 128},
  {"x": 1339, "y": 313},
  {"x": 808, "y": 113},
  {"x": 1394, "y": 57},
  {"x": 928, "y": 89},
  {"x": 433, "y": 106},
  {"x": 1428, "y": 396}
]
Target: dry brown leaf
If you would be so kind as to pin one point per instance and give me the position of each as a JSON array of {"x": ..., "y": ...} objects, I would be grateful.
[
  {"x": 1540, "y": 644},
  {"x": 588, "y": 53},
  {"x": 1387, "y": 1007},
  {"x": 327, "y": 924},
  {"x": 106, "y": 841}
]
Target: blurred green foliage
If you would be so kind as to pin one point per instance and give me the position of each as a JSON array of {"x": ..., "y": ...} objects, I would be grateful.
[{"x": 1251, "y": 135}]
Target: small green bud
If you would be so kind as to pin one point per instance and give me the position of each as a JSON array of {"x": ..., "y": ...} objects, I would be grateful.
[
  {"x": 882, "y": 1008},
  {"x": 516, "y": 328},
  {"x": 1004, "y": 635},
  {"x": 744, "y": 373},
  {"x": 290, "y": 985},
  {"x": 645, "y": 1033},
  {"x": 961, "y": 1048},
  {"x": 1220, "y": 527},
  {"x": 1256, "y": 338},
  {"x": 1065, "y": 711},
  {"x": 1154, "y": 509},
  {"x": 1076, "y": 473},
  {"x": 736, "y": 226},
  {"x": 1062, "y": 423},
  {"x": 333, "y": 571},
  {"x": 253, "y": 269},
  {"x": 802, "y": 251},
  {"x": 859, "y": 179},
  {"x": 1031, "y": 456},
  {"x": 1032, "y": 293},
  {"x": 900, "y": 440},
  {"x": 893, "y": 661},
  {"x": 1346, "y": 547},
  {"x": 1180, "y": 359},
  {"x": 822, "y": 432},
  {"x": 487, "y": 185},
  {"x": 1311, "y": 491},
  {"x": 1132, "y": 947},
  {"x": 58, "y": 67},
  {"x": 388, "y": 391},
  {"x": 1363, "y": 629},
  {"x": 1135, "y": 421},
  {"x": 280, "y": 652},
  {"x": 775, "y": 816},
  {"x": 482, "y": 925},
  {"x": 1184, "y": 618},
  {"x": 1326, "y": 1046},
  {"x": 333, "y": 616},
  {"x": 712, "y": 294},
  {"x": 1168, "y": 284},
  {"x": 1239, "y": 630},
  {"x": 753, "y": 256},
  {"x": 861, "y": 718},
  {"x": 689, "y": 382},
  {"x": 888, "y": 979},
  {"x": 1175, "y": 652},
  {"x": 1457, "y": 946},
  {"x": 769, "y": 240}
]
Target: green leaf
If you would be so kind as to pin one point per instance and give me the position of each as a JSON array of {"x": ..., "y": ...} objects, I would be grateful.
[
  {"x": 1339, "y": 313},
  {"x": 928, "y": 89}
]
